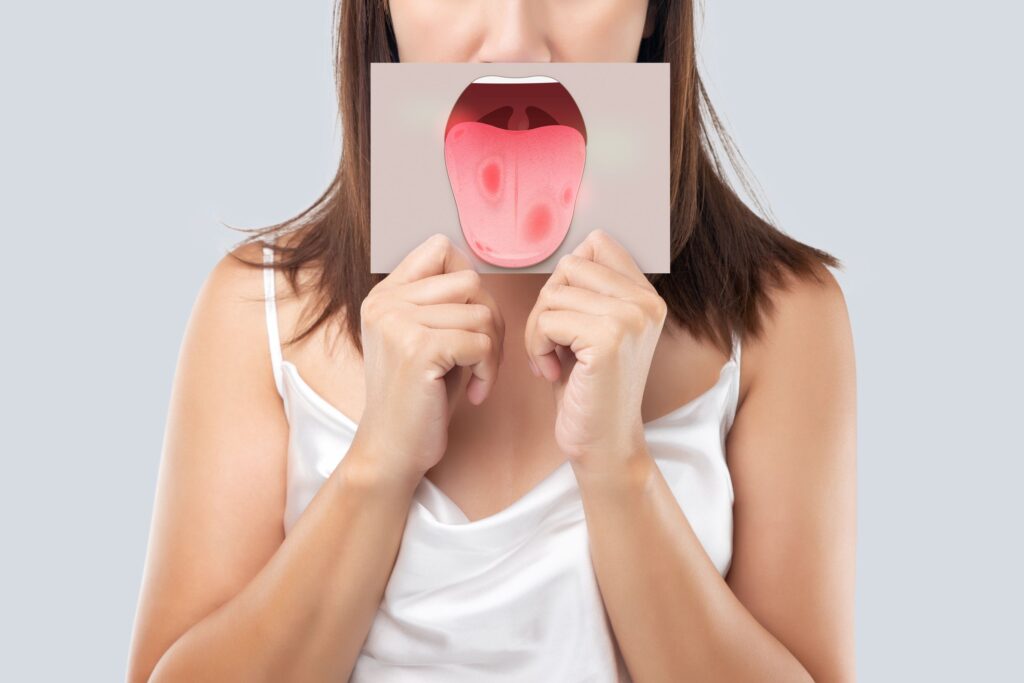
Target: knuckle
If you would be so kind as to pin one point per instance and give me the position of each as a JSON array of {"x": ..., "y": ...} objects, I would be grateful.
[
  {"x": 651, "y": 304},
  {"x": 543, "y": 321},
  {"x": 387, "y": 321},
  {"x": 369, "y": 308},
  {"x": 440, "y": 243},
  {"x": 547, "y": 292},
  {"x": 660, "y": 307},
  {"x": 410, "y": 343},
  {"x": 481, "y": 314},
  {"x": 614, "y": 328},
  {"x": 635, "y": 319},
  {"x": 473, "y": 281},
  {"x": 486, "y": 343}
]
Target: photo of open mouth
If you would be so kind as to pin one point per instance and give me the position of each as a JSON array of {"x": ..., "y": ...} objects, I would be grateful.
[{"x": 515, "y": 150}]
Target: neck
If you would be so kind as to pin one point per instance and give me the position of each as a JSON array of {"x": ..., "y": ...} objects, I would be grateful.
[{"x": 515, "y": 294}]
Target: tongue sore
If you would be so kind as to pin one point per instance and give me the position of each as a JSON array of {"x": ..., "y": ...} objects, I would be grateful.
[{"x": 515, "y": 189}]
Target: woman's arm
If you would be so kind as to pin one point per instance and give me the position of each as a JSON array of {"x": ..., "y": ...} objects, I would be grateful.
[
  {"x": 225, "y": 596},
  {"x": 786, "y": 610}
]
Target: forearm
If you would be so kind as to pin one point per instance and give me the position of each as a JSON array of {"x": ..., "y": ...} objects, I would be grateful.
[
  {"x": 306, "y": 614},
  {"x": 673, "y": 614}
]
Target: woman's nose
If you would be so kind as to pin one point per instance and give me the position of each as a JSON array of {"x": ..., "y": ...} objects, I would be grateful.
[{"x": 514, "y": 31}]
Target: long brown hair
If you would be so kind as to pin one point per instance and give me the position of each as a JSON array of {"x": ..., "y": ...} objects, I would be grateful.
[{"x": 725, "y": 257}]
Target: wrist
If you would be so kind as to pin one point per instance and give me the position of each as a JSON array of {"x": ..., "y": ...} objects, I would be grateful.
[
  {"x": 619, "y": 477},
  {"x": 367, "y": 470}
]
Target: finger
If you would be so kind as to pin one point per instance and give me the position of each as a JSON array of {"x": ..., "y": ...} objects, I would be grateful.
[
  {"x": 472, "y": 350},
  {"x": 571, "y": 329},
  {"x": 582, "y": 272},
  {"x": 435, "y": 255},
  {"x": 601, "y": 247},
  {"x": 470, "y": 317},
  {"x": 459, "y": 287},
  {"x": 554, "y": 296}
]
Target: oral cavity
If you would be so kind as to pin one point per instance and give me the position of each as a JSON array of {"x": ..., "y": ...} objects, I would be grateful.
[{"x": 515, "y": 149}]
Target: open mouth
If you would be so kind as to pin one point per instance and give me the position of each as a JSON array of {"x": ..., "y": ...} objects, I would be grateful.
[
  {"x": 515, "y": 149},
  {"x": 517, "y": 104}
]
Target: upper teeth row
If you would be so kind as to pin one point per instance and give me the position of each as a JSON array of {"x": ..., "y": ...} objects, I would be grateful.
[{"x": 510, "y": 79}]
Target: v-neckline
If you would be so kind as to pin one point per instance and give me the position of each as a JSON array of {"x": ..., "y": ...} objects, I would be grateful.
[{"x": 338, "y": 417}]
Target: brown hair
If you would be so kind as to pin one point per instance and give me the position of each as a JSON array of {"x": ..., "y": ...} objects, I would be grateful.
[{"x": 725, "y": 257}]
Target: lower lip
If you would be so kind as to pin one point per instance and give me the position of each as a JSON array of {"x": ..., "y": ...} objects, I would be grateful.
[{"x": 515, "y": 189}]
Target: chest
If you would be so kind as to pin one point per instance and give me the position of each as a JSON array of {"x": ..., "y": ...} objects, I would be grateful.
[
  {"x": 495, "y": 457},
  {"x": 499, "y": 451}
]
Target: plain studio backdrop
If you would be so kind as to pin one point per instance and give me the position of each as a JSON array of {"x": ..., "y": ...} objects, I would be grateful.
[{"x": 888, "y": 133}]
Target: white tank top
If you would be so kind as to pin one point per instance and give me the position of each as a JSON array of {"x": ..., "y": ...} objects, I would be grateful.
[{"x": 512, "y": 596}]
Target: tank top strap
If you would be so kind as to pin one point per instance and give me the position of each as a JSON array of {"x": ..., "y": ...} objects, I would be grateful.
[
  {"x": 270, "y": 303},
  {"x": 732, "y": 403}
]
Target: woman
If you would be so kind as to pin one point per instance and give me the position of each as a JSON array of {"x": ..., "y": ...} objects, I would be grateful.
[{"x": 573, "y": 520}]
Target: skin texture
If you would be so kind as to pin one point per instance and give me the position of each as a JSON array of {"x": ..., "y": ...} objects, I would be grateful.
[{"x": 227, "y": 597}]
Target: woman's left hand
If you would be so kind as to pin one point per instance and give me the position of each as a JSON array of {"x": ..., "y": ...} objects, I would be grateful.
[{"x": 592, "y": 333}]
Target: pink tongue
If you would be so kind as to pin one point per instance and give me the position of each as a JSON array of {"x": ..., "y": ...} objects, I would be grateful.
[{"x": 515, "y": 189}]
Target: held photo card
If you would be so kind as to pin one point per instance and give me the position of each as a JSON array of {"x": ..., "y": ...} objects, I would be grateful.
[{"x": 518, "y": 162}]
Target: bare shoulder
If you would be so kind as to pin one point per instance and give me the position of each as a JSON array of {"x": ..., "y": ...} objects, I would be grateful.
[
  {"x": 217, "y": 515},
  {"x": 807, "y": 324},
  {"x": 226, "y": 337},
  {"x": 231, "y": 297}
]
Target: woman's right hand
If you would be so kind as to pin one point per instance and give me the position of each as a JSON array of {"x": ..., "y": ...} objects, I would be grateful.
[{"x": 428, "y": 319}]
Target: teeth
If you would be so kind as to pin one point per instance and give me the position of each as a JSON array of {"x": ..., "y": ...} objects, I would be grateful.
[{"x": 520, "y": 79}]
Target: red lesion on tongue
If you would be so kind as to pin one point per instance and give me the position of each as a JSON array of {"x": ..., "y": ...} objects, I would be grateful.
[
  {"x": 490, "y": 177},
  {"x": 538, "y": 223}
]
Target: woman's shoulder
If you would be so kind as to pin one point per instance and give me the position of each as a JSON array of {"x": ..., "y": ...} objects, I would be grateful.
[
  {"x": 227, "y": 325},
  {"x": 236, "y": 298},
  {"x": 806, "y": 324}
]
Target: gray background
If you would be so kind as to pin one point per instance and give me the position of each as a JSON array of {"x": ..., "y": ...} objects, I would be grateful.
[
  {"x": 885, "y": 132},
  {"x": 625, "y": 184}
]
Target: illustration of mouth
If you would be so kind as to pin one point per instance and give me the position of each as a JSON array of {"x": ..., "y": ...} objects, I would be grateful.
[{"x": 515, "y": 149}]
